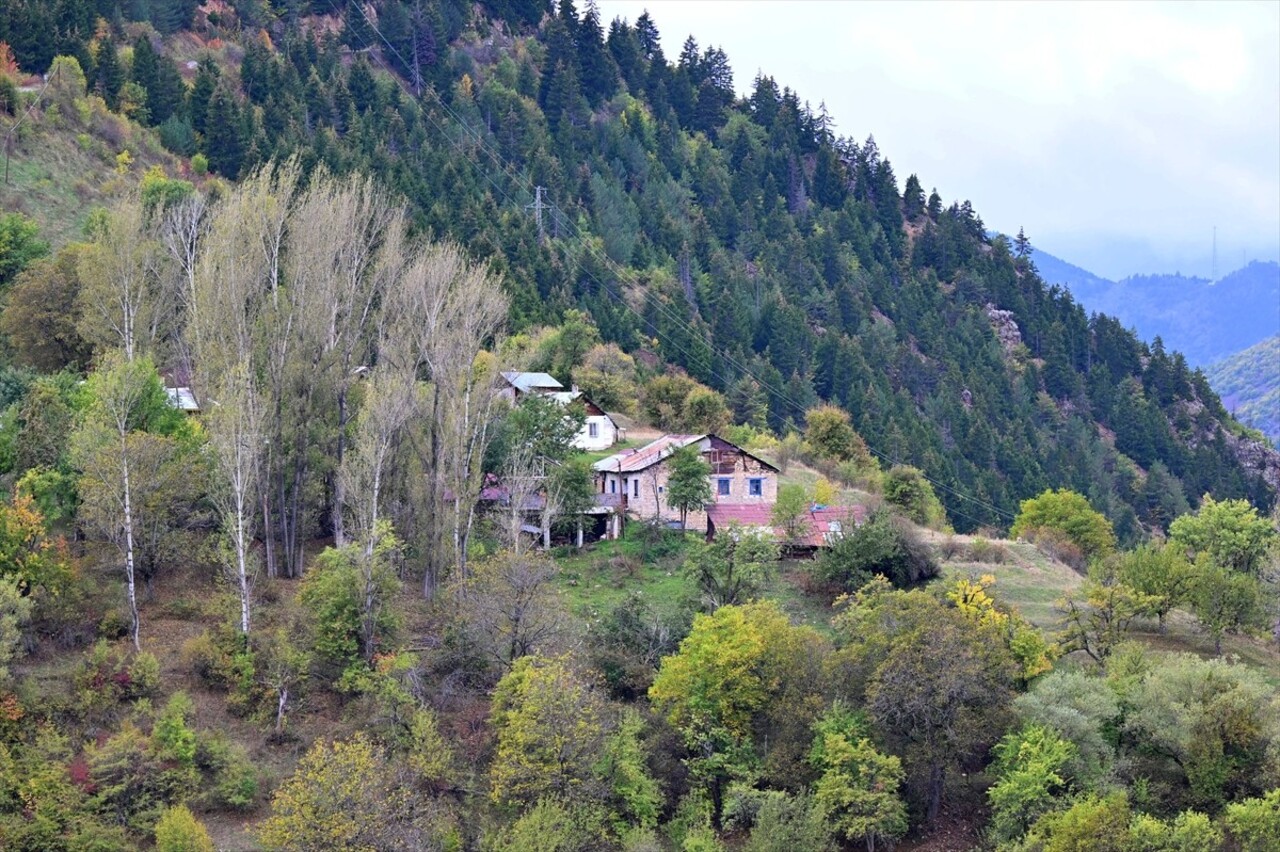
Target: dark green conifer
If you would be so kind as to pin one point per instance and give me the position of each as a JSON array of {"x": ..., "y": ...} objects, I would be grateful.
[
  {"x": 202, "y": 90},
  {"x": 224, "y": 143},
  {"x": 913, "y": 201},
  {"x": 109, "y": 77}
]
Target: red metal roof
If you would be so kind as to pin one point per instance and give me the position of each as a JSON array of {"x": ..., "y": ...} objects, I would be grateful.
[{"x": 823, "y": 521}]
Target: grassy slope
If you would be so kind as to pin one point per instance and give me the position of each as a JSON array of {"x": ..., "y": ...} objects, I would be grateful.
[{"x": 63, "y": 165}]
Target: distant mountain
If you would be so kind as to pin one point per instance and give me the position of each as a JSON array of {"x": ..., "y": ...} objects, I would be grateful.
[
  {"x": 1206, "y": 321},
  {"x": 1249, "y": 383},
  {"x": 1082, "y": 283}
]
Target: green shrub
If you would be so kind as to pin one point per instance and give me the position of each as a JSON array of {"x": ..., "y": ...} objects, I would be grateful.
[
  {"x": 179, "y": 831},
  {"x": 988, "y": 552},
  {"x": 1254, "y": 824}
]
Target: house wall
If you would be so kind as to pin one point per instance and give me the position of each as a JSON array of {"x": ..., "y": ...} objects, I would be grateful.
[
  {"x": 730, "y": 463},
  {"x": 606, "y": 434}
]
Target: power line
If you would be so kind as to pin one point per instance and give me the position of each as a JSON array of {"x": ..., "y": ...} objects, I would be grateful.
[{"x": 667, "y": 311}]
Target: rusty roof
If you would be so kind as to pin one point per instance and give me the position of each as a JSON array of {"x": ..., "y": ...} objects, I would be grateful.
[
  {"x": 642, "y": 458},
  {"x": 822, "y": 521}
]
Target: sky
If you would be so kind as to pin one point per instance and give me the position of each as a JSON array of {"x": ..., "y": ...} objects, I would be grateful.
[{"x": 1119, "y": 135}]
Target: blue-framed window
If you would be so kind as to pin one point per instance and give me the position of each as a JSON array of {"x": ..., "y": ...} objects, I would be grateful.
[
  {"x": 755, "y": 487},
  {"x": 722, "y": 487}
]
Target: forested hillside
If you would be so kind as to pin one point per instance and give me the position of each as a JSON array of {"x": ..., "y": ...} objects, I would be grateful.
[
  {"x": 1249, "y": 382},
  {"x": 740, "y": 240}
]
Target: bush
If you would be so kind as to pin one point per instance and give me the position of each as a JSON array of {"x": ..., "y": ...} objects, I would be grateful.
[
  {"x": 987, "y": 551},
  {"x": 882, "y": 545},
  {"x": 907, "y": 488},
  {"x": 179, "y": 831},
  {"x": 1068, "y": 516},
  {"x": 1055, "y": 545},
  {"x": 109, "y": 676},
  {"x": 786, "y": 823},
  {"x": 1254, "y": 824},
  {"x": 178, "y": 136}
]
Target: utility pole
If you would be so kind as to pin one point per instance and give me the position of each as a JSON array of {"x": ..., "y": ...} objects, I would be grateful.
[{"x": 538, "y": 207}]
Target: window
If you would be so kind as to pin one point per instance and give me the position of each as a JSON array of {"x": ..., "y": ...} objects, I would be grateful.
[
  {"x": 722, "y": 487},
  {"x": 613, "y": 486},
  {"x": 635, "y": 487},
  {"x": 593, "y": 430},
  {"x": 755, "y": 487}
]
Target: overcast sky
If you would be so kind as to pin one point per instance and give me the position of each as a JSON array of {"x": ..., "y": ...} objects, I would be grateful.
[{"x": 1117, "y": 134}]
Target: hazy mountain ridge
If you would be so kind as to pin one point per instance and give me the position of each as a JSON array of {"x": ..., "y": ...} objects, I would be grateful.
[{"x": 1206, "y": 321}]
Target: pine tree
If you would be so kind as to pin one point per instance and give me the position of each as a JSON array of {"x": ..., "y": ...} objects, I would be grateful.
[
  {"x": 145, "y": 66},
  {"x": 597, "y": 71},
  {"x": 935, "y": 205},
  {"x": 357, "y": 34},
  {"x": 363, "y": 88},
  {"x": 913, "y": 202},
  {"x": 562, "y": 56},
  {"x": 224, "y": 140},
  {"x": 647, "y": 34},
  {"x": 164, "y": 97},
  {"x": 1021, "y": 245},
  {"x": 110, "y": 77},
  {"x": 202, "y": 93}
]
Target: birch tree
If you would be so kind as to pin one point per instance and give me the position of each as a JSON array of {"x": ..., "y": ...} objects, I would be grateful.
[
  {"x": 234, "y": 424},
  {"x": 123, "y": 301},
  {"x": 458, "y": 308},
  {"x": 103, "y": 451},
  {"x": 348, "y": 242},
  {"x": 389, "y": 402}
]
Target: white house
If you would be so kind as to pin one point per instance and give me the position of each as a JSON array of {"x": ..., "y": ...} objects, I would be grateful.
[{"x": 599, "y": 432}]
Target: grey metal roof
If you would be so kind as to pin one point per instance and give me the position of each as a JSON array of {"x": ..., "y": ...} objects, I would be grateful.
[{"x": 530, "y": 382}]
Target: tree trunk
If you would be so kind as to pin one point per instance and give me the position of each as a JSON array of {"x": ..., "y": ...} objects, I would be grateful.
[
  {"x": 242, "y": 567},
  {"x": 937, "y": 777},
  {"x": 268, "y": 536},
  {"x": 128, "y": 544},
  {"x": 339, "y": 487},
  {"x": 282, "y": 700}
]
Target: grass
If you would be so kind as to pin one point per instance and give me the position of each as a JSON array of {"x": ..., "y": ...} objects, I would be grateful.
[
  {"x": 1032, "y": 584},
  {"x": 606, "y": 574},
  {"x": 62, "y": 167}
]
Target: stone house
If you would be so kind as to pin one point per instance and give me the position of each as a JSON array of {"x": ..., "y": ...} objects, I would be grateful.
[{"x": 636, "y": 479}]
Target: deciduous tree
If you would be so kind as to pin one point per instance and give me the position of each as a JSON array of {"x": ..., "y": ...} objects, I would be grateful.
[
  {"x": 1069, "y": 513},
  {"x": 550, "y": 728},
  {"x": 1231, "y": 532},
  {"x": 688, "y": 486},
  {"x": 734, "y": 566}
]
